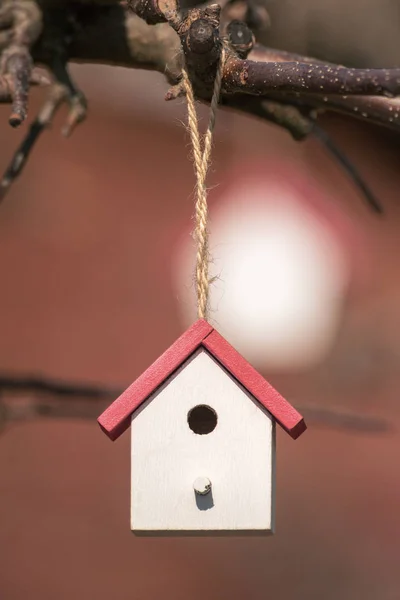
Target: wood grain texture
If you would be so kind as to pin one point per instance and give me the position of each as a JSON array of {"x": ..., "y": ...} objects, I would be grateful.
[
  {"x": 269, "y": 397},
  {"x": 116, "y": 418},
  {"x": 168, "y": 457}
]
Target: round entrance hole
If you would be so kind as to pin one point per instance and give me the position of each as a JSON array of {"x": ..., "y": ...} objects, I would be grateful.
[{"x": 202, "y": 419}]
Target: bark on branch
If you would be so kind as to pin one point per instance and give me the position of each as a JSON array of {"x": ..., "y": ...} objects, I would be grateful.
[
  {"x": 259, "y": 78},
  {"x": 109, "y": 34},
  {"x": 286, "y": 89}
]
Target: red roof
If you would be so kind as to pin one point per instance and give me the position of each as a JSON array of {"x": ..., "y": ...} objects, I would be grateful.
[{"x": 117, "y": 417}]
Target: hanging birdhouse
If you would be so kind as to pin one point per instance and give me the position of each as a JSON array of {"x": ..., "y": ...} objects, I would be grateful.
[{"x": 203, "y": 439}]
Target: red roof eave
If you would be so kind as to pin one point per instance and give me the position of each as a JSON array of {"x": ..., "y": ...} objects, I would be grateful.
[
  {"x": 117, "y": 417},
  {"x": 283, "y": 412}
]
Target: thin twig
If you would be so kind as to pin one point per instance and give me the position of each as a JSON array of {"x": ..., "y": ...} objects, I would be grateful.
[
  {"x": 301, "y": 124},
  {"x": 350, "y": 169},
  {"x": 42, "y": 121},
  {"x": 62, "y": 91},
  {"x": 20, "y": 157}
]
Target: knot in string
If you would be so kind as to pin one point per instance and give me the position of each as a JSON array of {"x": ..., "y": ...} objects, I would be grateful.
[{"x": 201, "y": 161}]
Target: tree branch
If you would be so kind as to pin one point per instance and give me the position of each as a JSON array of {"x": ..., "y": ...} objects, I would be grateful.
[
  {"x": 23, "y": 398},
  {"x": 55, "y": 32},
  {"x": 380, "y": 110},
  {"x": 259, "y": 78},
  {"x": 110, "y": 35},
  {"x": 370, "y": 109}
]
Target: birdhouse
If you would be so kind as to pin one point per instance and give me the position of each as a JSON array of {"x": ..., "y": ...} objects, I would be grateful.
[{"x": 203, "y": 439}]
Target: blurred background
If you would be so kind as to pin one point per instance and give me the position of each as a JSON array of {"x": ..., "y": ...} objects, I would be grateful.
[{"x": 96, "y": 264}]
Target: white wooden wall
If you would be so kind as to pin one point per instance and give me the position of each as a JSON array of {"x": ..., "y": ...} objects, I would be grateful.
[{"x": 167, "y": 457}]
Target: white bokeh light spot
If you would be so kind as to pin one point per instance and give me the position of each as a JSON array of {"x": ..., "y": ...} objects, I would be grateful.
[{"x": 281, "y": 277}]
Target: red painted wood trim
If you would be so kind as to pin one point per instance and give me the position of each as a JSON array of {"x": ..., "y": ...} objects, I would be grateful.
[
  {"x": 280, "y": 409},
  {"x": 117, "y": 417}
]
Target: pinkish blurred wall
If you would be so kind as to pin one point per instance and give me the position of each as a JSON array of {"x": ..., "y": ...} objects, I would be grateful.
[{"x": 85, "y": 240}]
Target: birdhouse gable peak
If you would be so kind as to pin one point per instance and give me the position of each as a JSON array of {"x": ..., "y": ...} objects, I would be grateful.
[{"x": 201, "y": 339}]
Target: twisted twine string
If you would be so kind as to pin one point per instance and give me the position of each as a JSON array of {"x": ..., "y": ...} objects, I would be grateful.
[{"x": 201, "y": 164}]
